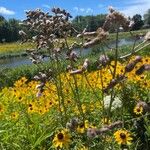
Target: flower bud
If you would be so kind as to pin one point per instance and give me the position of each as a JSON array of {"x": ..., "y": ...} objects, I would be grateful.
[{"x": 140, "y": 70}]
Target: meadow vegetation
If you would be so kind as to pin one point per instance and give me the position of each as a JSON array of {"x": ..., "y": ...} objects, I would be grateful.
[{"x": 74, "y": 103}]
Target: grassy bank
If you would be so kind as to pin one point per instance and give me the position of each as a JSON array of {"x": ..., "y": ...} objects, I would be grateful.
[
  {"x": 18, "y": 49},
  {"x": 11, "y": 49},
  {"x": 128, "y": 34},
  {"x": 10, "y": 75}
]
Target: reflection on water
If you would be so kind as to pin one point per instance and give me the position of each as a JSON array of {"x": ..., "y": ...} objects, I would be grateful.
[{"x": 17, "y": 61}]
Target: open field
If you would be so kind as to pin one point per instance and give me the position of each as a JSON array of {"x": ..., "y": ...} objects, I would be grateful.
[{"x": 34, "y": 119}]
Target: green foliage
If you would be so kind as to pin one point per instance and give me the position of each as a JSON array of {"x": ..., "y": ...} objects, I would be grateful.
[
  {"x": 138, "y": 22},
  {"x": 91, "y": 22},
  {"x": 147, "y": 17},
  {"x": 9, "y": 30}
]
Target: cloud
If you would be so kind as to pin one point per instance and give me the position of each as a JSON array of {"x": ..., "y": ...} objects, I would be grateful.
[
  {"x": 5, "y": 11},
  {"x": 76, "y": 9},
  {"x": 83, "y": 10},
  {"x": 89, "y": 10},
  {"x": 135, "y": 7},
  {"x": 46, "y": 6}
]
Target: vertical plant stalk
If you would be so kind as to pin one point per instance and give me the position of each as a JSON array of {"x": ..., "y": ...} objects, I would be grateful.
[
  {"x": 76, "y": 89},
  {"x": 88, "y": 82},
  {"x": 101, "y": 77},
  {"x": 60, "y": 88},
  {"x": 114, "y": 72},
  {"x": 56, "y": 84}
]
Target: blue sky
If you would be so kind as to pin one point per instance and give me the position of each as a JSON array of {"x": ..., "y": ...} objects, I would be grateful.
[{"x": 16, "y": 8}]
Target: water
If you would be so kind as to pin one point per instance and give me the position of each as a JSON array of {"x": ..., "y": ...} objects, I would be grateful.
[
  {"x": 18, "y": 61},
  {"x": 14, "y": 62}
]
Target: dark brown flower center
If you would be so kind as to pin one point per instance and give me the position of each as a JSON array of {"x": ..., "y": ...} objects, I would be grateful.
[
  {"x": 82, "y": 125},
  {"x": 122, "y": 135},
  {"x": 138, "y": 109},
  {"x": 60, "y": 136}
]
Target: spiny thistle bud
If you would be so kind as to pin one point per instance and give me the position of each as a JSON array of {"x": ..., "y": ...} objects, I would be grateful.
[
  {"x": 85, "y": 64},
  {"x": 84, "y": 67},
  {"x": 68, "y": 68},
  {"x": 104, "y": 60},
  {"x": 140, "y": 70},
  {"x": 116, "y": 18},
  {"x": 114, "y": 82},
  {"x": 41, "y": 85},
  {"x": 138, "y": 58},
  {"x": 22, "y": 33},
  {"x": 131, "y": 24},
  {"x": 147, "y": 36},
  {"x": 73, "y": 56},
  {"x": 91, "y": 132},
  {"x": 111, "y": 9},
  {"x": 144, "y": 105},
  {"x": 101, "y": 36},
  {"x": 129, "y": 67},
  {"x": 147, "y": 67},
  {"x": 23, "y": 36},
  {"x": 73, "y": 124}
]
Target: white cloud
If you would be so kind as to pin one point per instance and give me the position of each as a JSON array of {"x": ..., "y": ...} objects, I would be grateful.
[
  {"x": 26, "y": 10},
  {"x": 76, "y": 9},
  {"x": 46, "y": 6},
  {"x": 89, "y": 10},
  {"x": 83, "y": 10},
  {"x": 136, "y": 7},
  {"x": 5, "y": 11}
]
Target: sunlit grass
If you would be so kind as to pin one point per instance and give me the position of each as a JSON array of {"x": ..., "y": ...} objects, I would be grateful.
[{"x": 16, "y": 47}]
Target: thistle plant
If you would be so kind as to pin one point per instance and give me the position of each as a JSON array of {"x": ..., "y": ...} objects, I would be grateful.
[{"x": 70, "y": 97}]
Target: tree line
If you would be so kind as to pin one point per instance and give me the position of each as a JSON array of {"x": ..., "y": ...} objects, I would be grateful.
[{"x": 9, "y": 28}]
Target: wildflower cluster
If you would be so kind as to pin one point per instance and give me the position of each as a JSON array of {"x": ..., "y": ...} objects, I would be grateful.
[{"x": 72, "y": 105}]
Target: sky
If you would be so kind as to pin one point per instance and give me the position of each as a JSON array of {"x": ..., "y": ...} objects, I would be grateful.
[{"x": 16, "y": 8}]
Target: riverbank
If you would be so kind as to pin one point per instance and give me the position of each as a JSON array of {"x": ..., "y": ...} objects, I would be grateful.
[
  {"x": 128, "y": 34},
  {"x": 9, "y": 75},
  {"x": 16, "y": 49}
]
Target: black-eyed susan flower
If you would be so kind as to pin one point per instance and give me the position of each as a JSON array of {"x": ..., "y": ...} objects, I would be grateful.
[
  {"x": 106, "y": 121},
  {"x": 14, "y": 115},
  {"x": 138, "y": 110},
  {"x": 123, "y": 137},
  {"x": 62, "y": 139},
  {"x": 83, "y": 126}
]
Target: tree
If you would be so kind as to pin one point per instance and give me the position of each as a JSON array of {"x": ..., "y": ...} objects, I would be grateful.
[
  {"x": 14, "y": 29},
  {"x": 147, "y": 18},
  {"x": 2, "y": 18},
  {"x": 93, "y": 22},
  {"x": 9, "y": 29},
  {"x": 138, "y": 22}
]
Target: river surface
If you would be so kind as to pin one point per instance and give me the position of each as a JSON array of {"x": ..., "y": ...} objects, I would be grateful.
[{"x": 18, "y": 61}]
